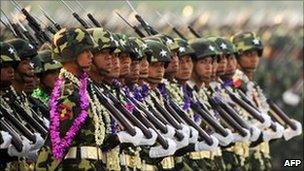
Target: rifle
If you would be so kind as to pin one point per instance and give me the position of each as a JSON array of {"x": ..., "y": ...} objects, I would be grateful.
[
  {"x": 90, "y": 16},
  {"x": 133, "y": 119},
  {"x": 194, "y": 32},
  {"x": 202, "y": 110},
  {"x": 113, "y": 111},
  {"x": 81, "y": 21},
  {"x": 39, "y": 33},
  {"x": 27, "y": 34},
  {"x": 57, "y": 26},
  {"x": 173, "y": 28},
  {"x": 22, "y": 128},
  {"x": 135, "y": 28},
  {"x": 13, "y": 27},
  {"x": 151, "y": 117},
  {"x": 32, "y": 120},
  {"x": 10, "y": 28},
  {"x": 273, "y": 106},
  {"x": 16, "y": 139},
  {"x": 42, "y": 107},
  {"x": 150, "y": 30},
  {"x": 189, "y": 121}
]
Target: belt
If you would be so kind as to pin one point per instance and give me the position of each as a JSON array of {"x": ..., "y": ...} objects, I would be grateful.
[
  {"x": 132, "y": 161},
  {"x": 85, "y": 152},
  {"x": 199, "y": 155},
  {"x": 240, "y": 148},
  {"x": 147, "y": 167},
  {"x": 167, "y": 163}
]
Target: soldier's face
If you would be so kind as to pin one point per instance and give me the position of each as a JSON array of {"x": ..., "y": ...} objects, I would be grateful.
[
  {"x": 7, "y": 75},
  {"x": 25, "y": 71},
  {"x": 84, "y": 60},
  {"x": 249, "y": 60},
  {"x": 125, "y": 63},
  {"x": 133, "y": 76},
  {"x": 48, "y": 80},
  {"x": 144, "y": 68},
  {"x": 222, "y": 65},
  {"x": 103, "y": 61},
  {"x": 231, "y": 65},
  {"x": 173, "y": 66},
  {"x": 203, "y": 68},
  {"x": 115, "y": 70},
  {"x": 30, "y": 84},
  {"x": 185, "y": 68},
  {"x": 156, "y": 72},
  {"x": 214, "y": 68}
]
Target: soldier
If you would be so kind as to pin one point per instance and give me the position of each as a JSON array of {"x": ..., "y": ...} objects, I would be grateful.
[
  {"x": 250, "y": 50},
  {"x": 76, "y": 128},
  {"x": 9, "y": 160},
  {"x": 47, "y": 71}
]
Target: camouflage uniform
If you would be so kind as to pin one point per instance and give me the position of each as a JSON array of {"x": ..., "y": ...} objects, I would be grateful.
[
  {"x": 44, "y": 63},
  {"x": 259, "y": 156},
  {"x": 83, "y": 153}
]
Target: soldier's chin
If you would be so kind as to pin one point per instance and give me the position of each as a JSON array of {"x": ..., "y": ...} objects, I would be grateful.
[
  {"x": 86, "y": 69},
  {"x": 5, "y": 84}
]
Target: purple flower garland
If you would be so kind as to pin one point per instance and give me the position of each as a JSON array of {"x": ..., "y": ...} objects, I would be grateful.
[{"x": 59, "y": 145}]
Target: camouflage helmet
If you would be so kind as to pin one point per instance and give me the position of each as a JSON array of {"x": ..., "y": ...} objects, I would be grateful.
[
  {"x": 68, "y": 43},
  {"x": 183, "y": 48},
  {"x": 167, "y": 40},
  {"x": 136, "y": 48},
  {"x": 159, "y": 52},
  {"x": 23, "y": 48},
  {"x": 43, "y": 62},
  {"x": 204, "y": 47},
  {"x": 225, "y": 45},
  {"x": 8, "y": 54},
  {"x": 247, "y": 41},
  {"x": 103, "y": 38}
]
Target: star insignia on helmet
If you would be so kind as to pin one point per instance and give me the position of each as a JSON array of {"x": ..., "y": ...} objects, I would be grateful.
[
  {"x": 11, "y": 50},
  {"x": 211, "y": 47},
  {"x": 116, "y": 43},
  {"x": 144, "y": 46},
  {"x": 181, "y": 49},
  {"x": 111, "y": 38},
  {"x": 123, "y": 42},
  {"x": 169, "y": 41},
  {"x": 32, "y": 64},
  {"x": 256, "y": 41},
  {"x": 223, "y": 46},
  {"x": 31, "y": 46},
  {"x": 163, "y": 53}
]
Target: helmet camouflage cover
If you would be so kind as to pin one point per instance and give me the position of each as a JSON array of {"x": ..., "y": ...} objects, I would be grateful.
[
  {"x": 159, "y": 52},
  {"x": 247, "y": 41},
  {"x": 68, "y": 43},
  {"x": 104, "y": 38},
  {"x": 183, "y": 48},
  {"x": 204, "y": 48},
  {"x": 43, "y": 62},
  {"x": 8, "y": 54},
  {"x": 225, "y": 45},
  {"x": 23, "y": 48}
]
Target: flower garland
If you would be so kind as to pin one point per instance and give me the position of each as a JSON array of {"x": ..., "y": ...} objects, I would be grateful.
[
  {"x": 100, "y": 129},
  {"x": 59, "y": 145},
  {"x": 41, "y": 95}
]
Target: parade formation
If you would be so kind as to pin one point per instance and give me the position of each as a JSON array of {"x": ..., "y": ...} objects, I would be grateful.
[{"x": 86, "y": 98}]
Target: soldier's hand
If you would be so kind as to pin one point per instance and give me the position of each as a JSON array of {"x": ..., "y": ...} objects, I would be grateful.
[
  {"x": 6, "y": 139},
  {"x": 125, "y": 137}
]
